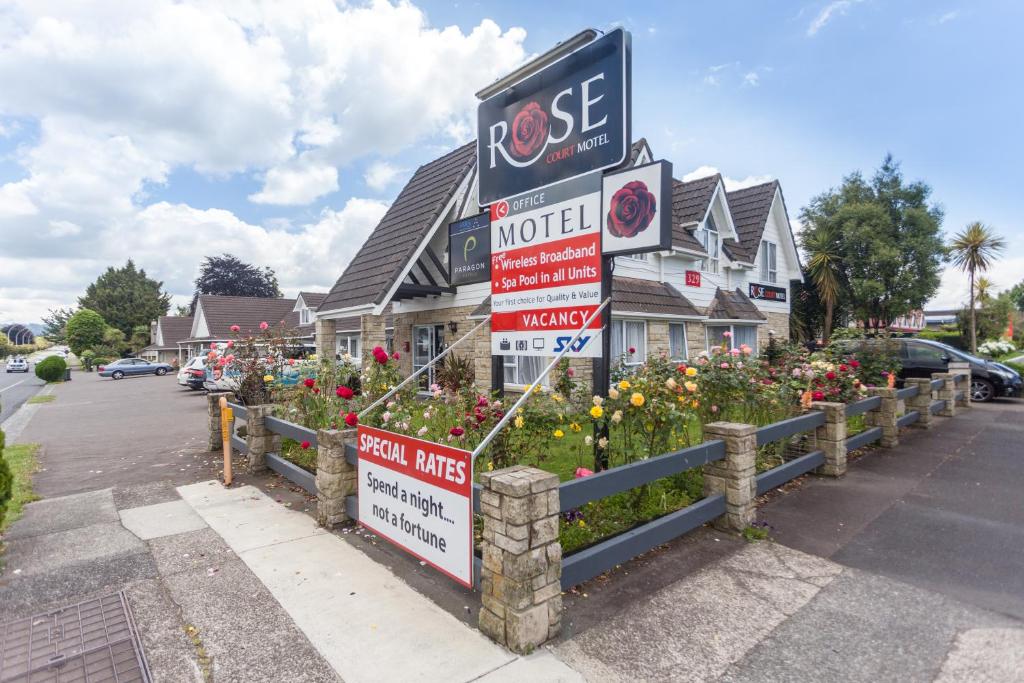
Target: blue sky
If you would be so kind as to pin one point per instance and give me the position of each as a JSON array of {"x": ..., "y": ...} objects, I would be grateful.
[{"x": 285, "y": 140}]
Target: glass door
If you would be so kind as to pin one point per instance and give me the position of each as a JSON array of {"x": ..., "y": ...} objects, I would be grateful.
[{"x": 427, "y": 343}]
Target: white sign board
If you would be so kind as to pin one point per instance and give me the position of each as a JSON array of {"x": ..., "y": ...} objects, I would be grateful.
[
  {"x": 419, "y": 496},
  {"x": 546, "y": 270}
]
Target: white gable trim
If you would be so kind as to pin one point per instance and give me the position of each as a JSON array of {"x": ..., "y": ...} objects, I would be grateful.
[
  {"x": 778, "y": 209},
  {"x": 723, "y": 217},
  {"x": 199, "y": 327},
  {"x": 159, "y": 337}
]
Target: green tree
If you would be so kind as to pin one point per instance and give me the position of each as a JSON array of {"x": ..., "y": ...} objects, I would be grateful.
[
  {"x": 139, "y": 339},
  {"x": 54, "y": 324},
  {"x": 228, "y": 276},
  {"x": 1016, "y": 295},
  {"x": 973, "y": 250},
  {"x": 984, "y": 288},
  {"x": 84, "y": 330},
  {"x": 824, "y": 267},
  {"x": 886, "y": 237},
  {"x": 126, "y": 297}
]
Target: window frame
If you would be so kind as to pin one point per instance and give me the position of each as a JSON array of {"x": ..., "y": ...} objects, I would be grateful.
[
  {"x": 711, "y": 263},
  {"x": 732, "y": 335},
  {"x": 769, "y": 261},
  {"x": 357, "y": 358},
  {"x": 518, "y": 384},
  {"x": 305, "y": 316},
  {"x": 621, "y": 333},
  {"x": 686, "y": 353}
]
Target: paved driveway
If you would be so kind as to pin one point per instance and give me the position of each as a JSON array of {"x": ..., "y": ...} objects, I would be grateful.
[{"x": 102, "y": 433}]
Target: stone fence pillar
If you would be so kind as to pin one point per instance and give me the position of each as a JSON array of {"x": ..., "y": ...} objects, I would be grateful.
[
  {"x": 326, "y": 341},
  {"x": 258, "y": 438},
  {"x": 831, "y": 437},
  {"x": 922, "y": 402},
  {"x": 963, "y": 370},
  {"x": 734, "y": 475},
  {"x": 336, "y": 479},
  {"x": 520, "y": 583},
  {"x": 884, "y": 416},
  {"x": 947, "y": 393},
  {"x": 216, "y": 443}
]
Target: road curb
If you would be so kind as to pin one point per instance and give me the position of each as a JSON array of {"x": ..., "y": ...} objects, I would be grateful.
[{"x": 14, "y": 425}]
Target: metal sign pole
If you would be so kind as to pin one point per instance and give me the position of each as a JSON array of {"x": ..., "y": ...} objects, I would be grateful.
[
  {"x": 419, "y": 372},
  {"x": 529, "y": 390}
]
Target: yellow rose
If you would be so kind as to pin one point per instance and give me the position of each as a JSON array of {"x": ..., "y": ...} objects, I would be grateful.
[
  {"x": 637, "y": 399},
  {"x": 691, "y": 372},
  {"x": 519, "y": 421},
  {"x": 490, "y": 466},
  {"x": 575, "y": 426},
  {"x": 695, "y": 403},
  {"x": 268, "y": 378},
  {"x": 624, "y": 385},
  {"x": 691, "y": 387},
  {"x": 596, "y": 412},
  {"x": 558, "y": 433}
]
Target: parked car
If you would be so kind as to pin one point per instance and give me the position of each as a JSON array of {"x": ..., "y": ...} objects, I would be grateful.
[
  {"x": 17, "y": 364},
  {"x": 193, "y": 373},
  {"x": 922, "y": 357},
  {"x": 133, "y": 366}
]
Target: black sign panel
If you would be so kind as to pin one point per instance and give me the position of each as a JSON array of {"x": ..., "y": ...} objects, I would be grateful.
[
  {"x": 569, "y": 119},
  {"x": 767, "y": 292},
  {"x": 469, "y": 250}
]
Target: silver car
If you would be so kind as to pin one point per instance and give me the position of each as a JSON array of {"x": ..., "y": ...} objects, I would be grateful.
[{"x": 17, "y": 364}]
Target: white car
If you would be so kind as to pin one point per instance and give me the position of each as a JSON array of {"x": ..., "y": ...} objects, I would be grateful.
[
  {"x": 17, "y": 364},
  {"x": 193, "y": 373}
]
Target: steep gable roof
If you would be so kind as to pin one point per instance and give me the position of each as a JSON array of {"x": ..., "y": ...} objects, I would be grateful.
[
  {"x": 391, "y": 245},
  {"x": 690, "y": 202},
  {"x": 221, "y": 312},
  {"x": 733, "y": 305},
  {"x": 750, "y": 208},
  {"x": 313, "y": 299}
]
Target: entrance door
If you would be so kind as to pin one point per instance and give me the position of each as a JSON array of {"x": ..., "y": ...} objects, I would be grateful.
[{"x": 427, "y": 343}]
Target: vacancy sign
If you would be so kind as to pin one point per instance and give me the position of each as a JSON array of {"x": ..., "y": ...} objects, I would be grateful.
[
  {"x": 419, "y": 496},
  {"x": 546, "y": 270}
]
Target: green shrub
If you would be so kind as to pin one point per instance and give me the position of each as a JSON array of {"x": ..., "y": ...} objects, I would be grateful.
[
  {"x": 6, "y": 481},
  {"x": 51, "y": 369},
  {"x": 88, "y": 359},
  {"x": 954, "y": 339}
]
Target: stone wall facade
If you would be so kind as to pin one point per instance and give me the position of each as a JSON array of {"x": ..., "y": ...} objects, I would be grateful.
[{"x": 777, "y": 323}]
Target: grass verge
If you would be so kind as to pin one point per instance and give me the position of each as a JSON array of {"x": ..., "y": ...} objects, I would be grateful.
[
  {"x": 21, "y": 458},
  {"x": 42, "y": 398}
]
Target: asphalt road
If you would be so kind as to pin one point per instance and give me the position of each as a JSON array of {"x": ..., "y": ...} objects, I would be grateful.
[{"x": 16, "y": 388}]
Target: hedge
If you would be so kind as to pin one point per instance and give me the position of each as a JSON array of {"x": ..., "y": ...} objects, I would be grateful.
[
  {"x": 6, "y": 481},
  {"x": 51, "y": 369}
]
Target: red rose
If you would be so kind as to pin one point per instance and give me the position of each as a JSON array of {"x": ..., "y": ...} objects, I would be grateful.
[
  {"x": 818, "y": 396},
  {"x": 843, "y": 368},
  {"x": 681, "y": 367},
  {"x": 457, "y": 431},
  {"x": 309, "y": 382},
  {"x": 529, "y": 130},
  {"x": 316, "y": 390},
  {"x": 351, "y": 419},
  {"x": 632, "y": 210},
  {"x": 482, "y": 402},
  {"x": 854, "y": 363},
  {"x": 830, "y": 375},
  {"x": 344, "y": 392},
  {"x": 305, "y": 445},
  {"x": 632, "y": 350},
  {"x": 395, "y": 355}
]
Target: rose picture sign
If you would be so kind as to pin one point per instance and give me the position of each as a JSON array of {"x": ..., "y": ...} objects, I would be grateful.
[
  {"x": 568, "y": 119},
  {"x": 637, "y": 210}
]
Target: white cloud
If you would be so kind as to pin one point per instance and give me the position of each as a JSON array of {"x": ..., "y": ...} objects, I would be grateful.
[
  {"x": 752, "y": 79},
  {"x": 123, "y": 95},
  {"x": 380, "y": 174},
  {"x": 296, "y": 185},
  {"x": 829, "y": 12},
  {"x": 730, "y": 183},
  {"x": 948, "y": 16}
]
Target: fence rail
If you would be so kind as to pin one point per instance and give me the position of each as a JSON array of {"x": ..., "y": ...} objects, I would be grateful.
[
  {"x": 239, "y": 444},
  {"x": 864, "y": 438},
  {"x": 908, "y": 419},
  {"x": 862, "y": 406},
  {"x": 777, "y": 476},
  {"x": 292, "y": 472},
  {"x": 290, "y": 430},
  {"x": 935, "y": 406},
  {"x": 786, "y": 428},
  {"x": 239, "y": 411},
  {"x": 907, "y": 392},
  {"x": 937, "y": 384},
  {"x": 578, "y": 492}
]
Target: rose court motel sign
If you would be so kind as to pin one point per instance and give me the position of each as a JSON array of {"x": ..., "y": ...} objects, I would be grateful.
[{"x": 569, "y": 119}]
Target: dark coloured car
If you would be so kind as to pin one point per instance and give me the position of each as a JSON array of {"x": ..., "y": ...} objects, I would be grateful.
[
  {"x": 133, "y": 366},
  {"x": 922, "y": 357}
]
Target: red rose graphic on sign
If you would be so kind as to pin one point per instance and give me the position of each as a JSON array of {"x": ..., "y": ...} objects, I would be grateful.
[
  {"x": 632, "y": 209},
  {"x": 529, "y": 130}
]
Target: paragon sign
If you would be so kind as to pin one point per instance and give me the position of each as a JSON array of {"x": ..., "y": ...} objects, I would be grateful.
[
  {"x": 469, "y": 250},
  {"x": 567, "y": 120},
  {"x": 546, "y": 270}
]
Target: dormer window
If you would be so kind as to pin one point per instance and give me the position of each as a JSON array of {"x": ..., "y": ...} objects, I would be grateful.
[
  {"x": 709, "y": 239},
  {"x": 769, "y": 267},
  {"x": 306, "y": 316}
]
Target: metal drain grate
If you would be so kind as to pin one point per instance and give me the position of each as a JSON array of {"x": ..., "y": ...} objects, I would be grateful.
[{"x": 92, "y": 641}]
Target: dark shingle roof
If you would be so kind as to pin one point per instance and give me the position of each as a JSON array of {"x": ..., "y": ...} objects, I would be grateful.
[
  {"x": 221, "y": 312},
  {"x": 175, "y": 328},
  {"x": 690, "y": 201},
  {"x": 749, "y": 207},
  {"x": 392, "y": 243},
  {"x": 734, "y": 305},
  {"x": 313, "y": 299},
  {"x": 634, "y": 295}
]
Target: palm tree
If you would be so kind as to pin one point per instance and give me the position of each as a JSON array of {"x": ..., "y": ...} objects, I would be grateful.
[
  {"x": 973, "y": 250},
  {"x": 823, "y": 263},
  {"x": 983, "y": 287}
]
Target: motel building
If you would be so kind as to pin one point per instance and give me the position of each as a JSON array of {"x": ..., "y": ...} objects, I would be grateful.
[{"x": 732, "y": 260}]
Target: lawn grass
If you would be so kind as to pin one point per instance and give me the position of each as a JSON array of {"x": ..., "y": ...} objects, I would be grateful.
[
  {"x": 21, "y": 458},
  {"x": 42, "y": 398}
]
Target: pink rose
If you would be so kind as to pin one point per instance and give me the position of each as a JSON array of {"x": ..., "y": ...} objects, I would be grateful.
[
  {"x": 235, "y": 328},
  {"x": 264, "y": 325},
  {"x": 583, "y": 472}
]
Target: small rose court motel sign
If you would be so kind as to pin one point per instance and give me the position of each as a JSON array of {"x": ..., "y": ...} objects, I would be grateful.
[{"x": 419, "y": 496}]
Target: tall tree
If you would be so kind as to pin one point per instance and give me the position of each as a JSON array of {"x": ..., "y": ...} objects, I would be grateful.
[
  {"x": 824, "y": 266},
  {"x": 54, "y": 323},
  {"x": 973, "y": 250},
  {"x": 85, "y": 330},
  {"x": 888, "y": 241},
  {"x": 228, "y": 276},
  {"x": 126, "y": 297}
]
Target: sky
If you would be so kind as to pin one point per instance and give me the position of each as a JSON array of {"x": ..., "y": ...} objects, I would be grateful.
[{"x": 168, "y": 130}]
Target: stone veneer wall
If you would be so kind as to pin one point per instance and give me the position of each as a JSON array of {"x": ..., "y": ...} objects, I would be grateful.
[
  {"x": 372, "y": 333},
  {"x": 778, "y": 323}
]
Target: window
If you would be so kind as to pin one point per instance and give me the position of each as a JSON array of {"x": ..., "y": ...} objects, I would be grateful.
[
  {"x": 306, "y": 316},
  {"x": 677, "y": 341},
  {"x": 349, "y": 343},
  {"x": 741, "y": 334},
  {"x": 427, "y": 344},
  {"x": 769, "y": 270},
  {"x": 626, "y": 335},
  {"x": 709, "y": 240},
  {"x": 524, "y": 370}
]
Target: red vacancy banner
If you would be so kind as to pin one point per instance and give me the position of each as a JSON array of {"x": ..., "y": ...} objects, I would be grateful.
[
  {"x": 556, "y": 319},
  {"x": 418, "y": 495}
]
